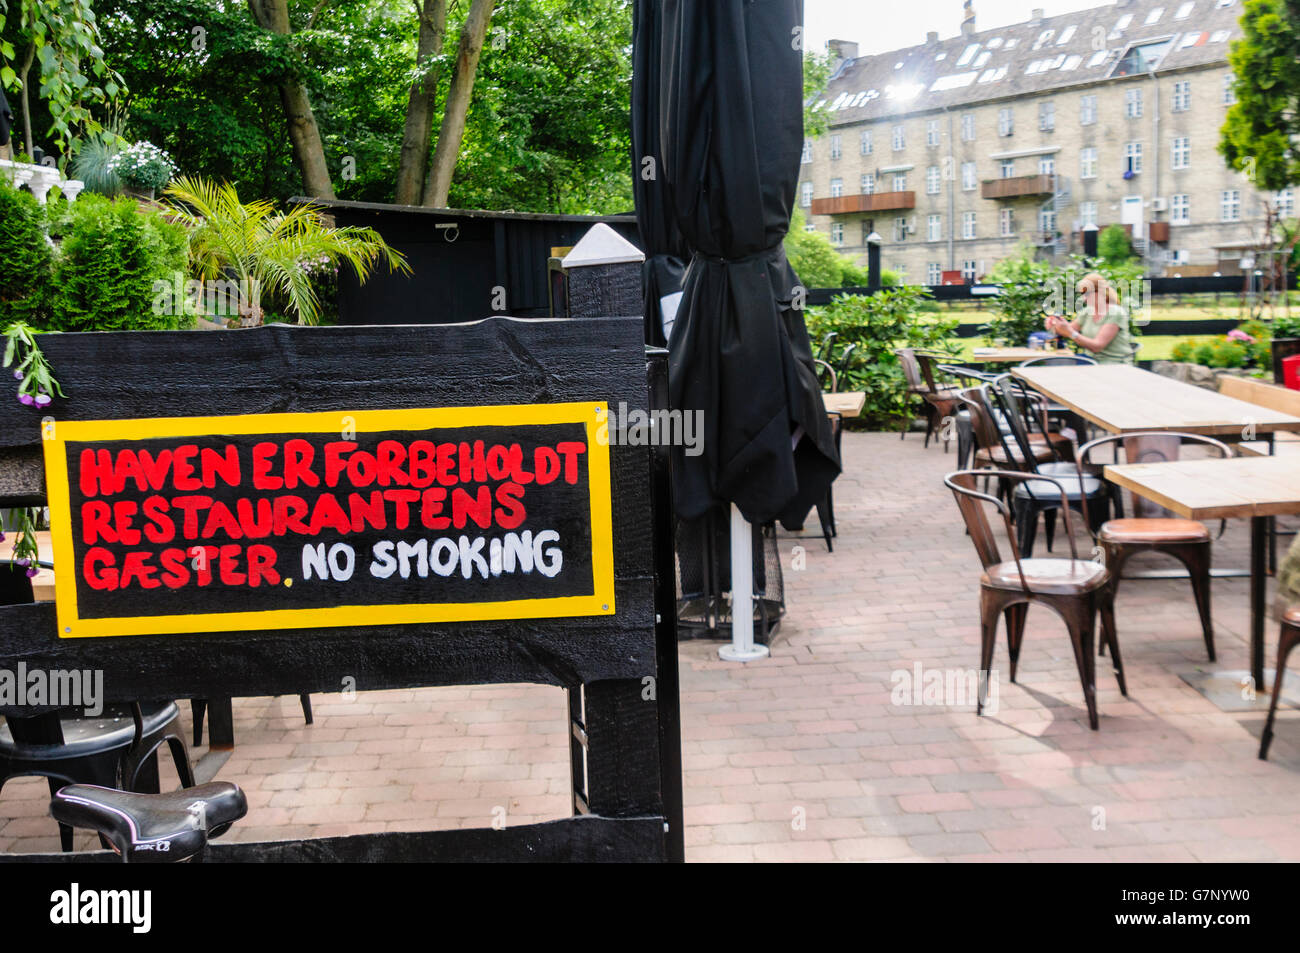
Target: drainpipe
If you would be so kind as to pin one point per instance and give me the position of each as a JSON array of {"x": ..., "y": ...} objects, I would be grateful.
[
  {"x": 952, "y": 182},
  {"x": 1155, "y": 165}
]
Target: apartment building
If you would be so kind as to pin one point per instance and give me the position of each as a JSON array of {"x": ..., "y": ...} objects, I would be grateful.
[{"x": 957, "y": 151}]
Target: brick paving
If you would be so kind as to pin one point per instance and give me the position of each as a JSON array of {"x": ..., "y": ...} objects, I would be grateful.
[{"x": 806, "y": 755}]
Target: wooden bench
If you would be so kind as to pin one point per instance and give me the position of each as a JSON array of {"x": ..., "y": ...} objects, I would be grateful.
[{"x": 1265, "y": 395}]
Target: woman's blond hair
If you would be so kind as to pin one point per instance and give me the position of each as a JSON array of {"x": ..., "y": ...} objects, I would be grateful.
[{"x": 1097, "y": 280}]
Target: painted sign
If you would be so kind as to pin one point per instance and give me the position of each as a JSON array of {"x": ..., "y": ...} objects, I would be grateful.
[{"x": 268, "y": 521}]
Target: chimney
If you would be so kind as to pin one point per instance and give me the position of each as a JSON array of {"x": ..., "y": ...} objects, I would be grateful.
[
  {"x": 931, "y": 38},
  {"x": 968, "y": 18},
  {"x": 1036, "y": 16},
  {"x": 843, "y": 50}
]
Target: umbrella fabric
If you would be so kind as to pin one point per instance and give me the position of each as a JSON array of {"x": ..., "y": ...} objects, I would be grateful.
[
  {"x": 665, "y": 249},
  {"x": 731, "y": 133},
  {"x": 6, "y": 119}
]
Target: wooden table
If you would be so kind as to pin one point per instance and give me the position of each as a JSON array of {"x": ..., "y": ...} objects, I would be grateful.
[
  {"x": 1007, "y": 355},
  {"x": 1254, "y": 487},
  {"x": 845, "y": 403},
  {"x": 1119, "y": 398},
  {"x": 43, "y": 582}
]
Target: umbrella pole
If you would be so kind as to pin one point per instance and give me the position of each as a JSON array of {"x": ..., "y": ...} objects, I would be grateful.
[{"x": 742, "y": 647}]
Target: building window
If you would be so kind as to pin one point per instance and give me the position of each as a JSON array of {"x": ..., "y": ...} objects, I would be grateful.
[
  {"x": 934, "y": 273},
  {"x": 806, "y": 194},
  {"x": 900, "y": 229},
  {"x": 1087, "y": 214},
  {"x": 1133, "y": 157},
  {"x": 932, "y": 180},
  {"x": 807, "y": 151},
  {"x": 1185, "y": 10},
  {"x": 868, "y": 183},
  {"x": 967, "y": 224},
  {"x": 900, "y": 181},
  {"x": 968, "y": 176},
  {"x": 933, "y": 228},
  {"x": 1229, "y": 90},
  {"x": 1286, "y": 203},
  {"x": 1133, "y": 104},
  {"x": 810, "y": 227},
  {"x": 836, "y": 147},
  {"x": 1087, "y": 110},
  {"x": 864, "y": 142},
  {"x": 1007, "y": 168},
  {"x": 1088, "y": 162},
  {"x": 1182, "y": 96},
  {"x": 897, "y": 138},
  {"x": 1180, "y": 209},
  {"x": 1230, "y": 205},
  {"x": 1007, "y": 222},
  {"x": 1046, "y": 117},
  {"x": 968, "y": 269},
  {"x": 1182, "y": 152},
  {"x": 932, "y": 132},
  {"x": 967, "y": 127},
  {"x": 837, "y": 188},
  {"x": 837, "y": 233},
  {"x": 868, "y": 228},
  {"x": 1046, "y": 165},
  {"x": 1047, "y": 222},
  {"x": 1006, "y": 122}
]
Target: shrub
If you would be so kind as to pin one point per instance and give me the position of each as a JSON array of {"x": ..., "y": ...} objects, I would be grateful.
[
  {"x": 1203, "y": 353},
  {"x": 1286, "y": 326},
  {"x": 142, "y": 165},
  {"x": 1113, "y": 245},
  {"x": 109, "y": 260},
  {"x": 875, "y": 325},
  {"x": 1025, "y": 285},
  {"x": 1182, "y": 351},
  {"x": 25, "y": 258},
  {"x": 1228, "y": 353}
]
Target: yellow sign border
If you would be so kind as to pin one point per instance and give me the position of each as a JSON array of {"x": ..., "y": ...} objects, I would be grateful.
[{"x": 591, "y": 414}]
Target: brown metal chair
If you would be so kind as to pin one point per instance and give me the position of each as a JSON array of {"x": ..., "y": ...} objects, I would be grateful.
[
  {"x": 1152, "y": 529},
  {"x": 1287, "y": 639},
  {"x": 940, "y": 402},
  {"x": 1075, "y": 590},
  {"x": 989, "y": 449}
]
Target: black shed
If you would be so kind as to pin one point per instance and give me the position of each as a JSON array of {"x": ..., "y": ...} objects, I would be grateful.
[{"x": 460, "y": 259}]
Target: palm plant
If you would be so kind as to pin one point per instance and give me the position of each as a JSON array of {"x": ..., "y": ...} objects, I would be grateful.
[{"x": 263, "y": 248}]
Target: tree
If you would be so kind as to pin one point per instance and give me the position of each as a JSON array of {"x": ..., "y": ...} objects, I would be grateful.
[
  {"x": 452, "y": 131},
  {"x": 1113, "y": 245},
  {"x": 421, "y": 103},
  {"x": 1261, "y": 133},
  {"x": 304, "y": 134},
  {"x": 816, "y": 74},
  {"x": 60, "y": 37}
]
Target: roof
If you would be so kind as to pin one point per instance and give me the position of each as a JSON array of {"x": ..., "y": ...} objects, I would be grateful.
[{"x": 1031, "y": 57}]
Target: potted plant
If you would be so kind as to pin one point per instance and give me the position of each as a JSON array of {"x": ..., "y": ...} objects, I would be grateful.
[
  {"x": 143, "y": 168},
  {"x": 1286, "y": 342}
]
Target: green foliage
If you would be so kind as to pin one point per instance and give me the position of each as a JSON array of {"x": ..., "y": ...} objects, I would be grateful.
[
  {"x": 1226, "y": 353},
  {"x": 266, "y": 250},
  {"x": 62, "y": 37},
  {"x": 816, "y": 74},
  {"x": 1261, "y": 132},
  {"x": 91, "y": 163},
  {"x": 107, "y": 265},
  {"x": 1025, "y": 288},
  {"x": 37, "y": 385},
  {"x": 875, "y": 325},
  {"x": 1113, "y": 246},
  {"x": 1182, "y": 351},
  {"x": 1286, "y": 326},
  {"x": 26, "y": 259},
  {"x": 142, "y": 165},
  {"x": 819, "y": 265},
  {"x": 1203, "y": 353}
]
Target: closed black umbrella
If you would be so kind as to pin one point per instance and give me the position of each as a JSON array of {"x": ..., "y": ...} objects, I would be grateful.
[
  {"x": 665, "y": 249},
  {"x": 731, "y": 133}
]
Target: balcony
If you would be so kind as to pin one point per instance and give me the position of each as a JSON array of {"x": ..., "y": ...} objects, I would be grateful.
[
  {"x": 1018, "y": 186},
  {"x": 875, "y": 202}
]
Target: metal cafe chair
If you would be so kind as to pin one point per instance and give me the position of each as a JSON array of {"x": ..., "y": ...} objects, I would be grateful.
[
  {"x": 1087, "y": 494},
  {"x": 965, "y": 429},
  {"x": 918, "y": 369},
  {"x": 1076, "y": 590},
  {"x": 1152, "y": 528},
  {"x": 1287, "y": 639}
]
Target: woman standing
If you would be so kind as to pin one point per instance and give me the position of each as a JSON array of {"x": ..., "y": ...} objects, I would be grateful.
[{"x": 1101, "y": 328}]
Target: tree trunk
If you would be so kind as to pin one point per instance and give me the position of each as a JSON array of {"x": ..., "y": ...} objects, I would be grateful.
[
  {"x": 27, "y": 101},
  {"x": 453, "y": 115},
  {"x": 304, "y": 134},
  {"x": 419, "y": 106}
]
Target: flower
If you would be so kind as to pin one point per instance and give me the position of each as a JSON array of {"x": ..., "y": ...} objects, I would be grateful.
[
  {"x": 1236, "y": 334},
  {"x": 18, "y": 375},
  {"x": 23, "y": 561},
  {"x": 26, "y": 399},
  {"x": 42, "y": 400},
  {"x": 32, "y": 571}
]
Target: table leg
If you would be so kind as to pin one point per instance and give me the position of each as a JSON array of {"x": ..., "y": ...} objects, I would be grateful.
[
  {"x": 1258, "y": 546},
  {"x": 221, "y": 723}
]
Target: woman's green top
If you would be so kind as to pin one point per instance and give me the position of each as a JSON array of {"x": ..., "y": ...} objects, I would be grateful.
[{"x": 1120, "y": 349}]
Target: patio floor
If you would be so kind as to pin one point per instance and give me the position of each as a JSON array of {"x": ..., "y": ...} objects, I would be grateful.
[{"x": 804, "y": 756}]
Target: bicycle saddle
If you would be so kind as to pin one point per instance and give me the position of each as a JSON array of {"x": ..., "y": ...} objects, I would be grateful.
[{"x": 152, "y": 828}]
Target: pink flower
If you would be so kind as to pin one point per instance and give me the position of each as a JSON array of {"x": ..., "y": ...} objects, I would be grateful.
[{"x": 1236, "y": 334}]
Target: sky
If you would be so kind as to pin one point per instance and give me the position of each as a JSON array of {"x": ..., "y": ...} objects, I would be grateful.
[{"x": 878, "y": 26}]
